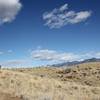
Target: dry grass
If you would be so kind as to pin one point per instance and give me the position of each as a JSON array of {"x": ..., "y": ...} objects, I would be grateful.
[
  {"x": 85, "y": 74},
  {"x": 47, "y": 84},
  {"x": 7, "y": 96}
]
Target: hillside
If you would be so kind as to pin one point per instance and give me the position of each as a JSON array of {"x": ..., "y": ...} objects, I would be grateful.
[
  {"x": 81, "y": 82},
  {"x": 85, "y": 74}
]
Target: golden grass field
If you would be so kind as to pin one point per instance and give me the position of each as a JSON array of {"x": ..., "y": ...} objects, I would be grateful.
[{"x": 80, "y": 82}]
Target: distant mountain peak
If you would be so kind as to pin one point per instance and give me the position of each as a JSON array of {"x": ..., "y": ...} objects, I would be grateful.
[{"x": 76, "y": 62}]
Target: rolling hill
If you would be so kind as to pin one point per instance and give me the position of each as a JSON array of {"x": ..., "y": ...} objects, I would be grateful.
[{"x": 79, "y": 82}]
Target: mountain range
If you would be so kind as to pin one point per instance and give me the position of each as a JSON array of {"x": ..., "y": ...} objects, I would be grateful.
[{"x": 76, "y": 62}]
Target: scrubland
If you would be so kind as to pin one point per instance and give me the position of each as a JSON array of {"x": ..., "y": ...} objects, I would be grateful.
[{"x": 79, "y": 82}]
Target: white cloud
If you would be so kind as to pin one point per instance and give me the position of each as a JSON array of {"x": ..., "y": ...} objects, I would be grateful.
[
  {"x": 64, "y": 7},
  {"x": 6, "y": 52},
  {"x": 13, "y": 62},
  {"x": 55, "y": 56},
  {"x": 46, "y": 56},
  {"x": 91, "y": 55},
  {"x": 10, "y": 51},
  {"x": 1, "y": 52},
  {"x": 16, "y": 63},
  {"x": 80, "y": 16},
  {"x": 52, "y": 55},
  {"x": 60, "y": 17},
  {"x": 8, "y": 10}
]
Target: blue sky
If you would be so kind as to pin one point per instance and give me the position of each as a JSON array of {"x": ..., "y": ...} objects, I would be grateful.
[{"x": 34, "y": 32}]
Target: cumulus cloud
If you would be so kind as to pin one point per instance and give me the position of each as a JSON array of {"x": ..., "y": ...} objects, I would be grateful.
[
  {"x": 56, "y": 56},
  {"x": 8, "y": 10},
  {"x": 52, "y": 55},
  {"x": 60, "y": 17},
  {"x": 46, "y": 56}
]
